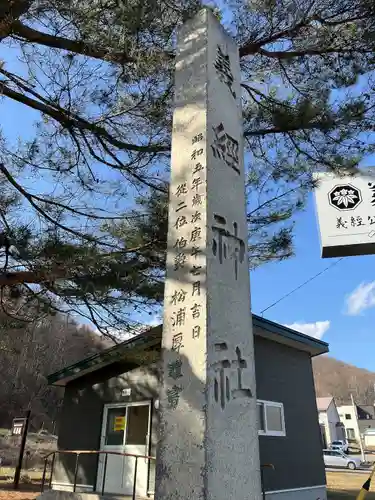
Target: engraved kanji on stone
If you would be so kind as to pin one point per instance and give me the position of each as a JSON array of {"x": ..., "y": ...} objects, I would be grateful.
[
  {"x": 196, "y": 331},
  {"x": 341, "y": 223},
  {"x": 180, "y": 221},
  {"x": 179, "y": 261},
  {"x": 196, "y": 270},
  {"x": 196, "y": 217},
  {"x": 371, "y": 219},
  {"x": 198, "y": 167},
  {"x": 178, "y": 318},
  {"x": 173, "y": 396},
  {"x": 196, "y": 183},
  {"x": 223, "y": 391},
  {"x": 196, "y": 234},
  {"x": 174, "y": 369},
  {"x": 196, "y": 311},
  {"x": 227, "y": 244},
  {"x": 223, "y": 69},
  {"x": 181, "y": 205},
  {"x": 197, "y": 138},
  {"x": 197, "y": 200},
  {"x": 182, "y": 189},
  {"x": 195, "y": 251},
  {"x": 177, "y": 342},
  {"x": 180, "y": 243},
  {"x": 178, "y": 296},
  {"x": 225, "y": 148},
  {"x": 196, "y": 153},
  {"x": 196, "y": 288}
]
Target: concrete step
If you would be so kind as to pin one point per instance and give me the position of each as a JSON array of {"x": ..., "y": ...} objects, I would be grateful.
[{"x": 69, "y": 495}]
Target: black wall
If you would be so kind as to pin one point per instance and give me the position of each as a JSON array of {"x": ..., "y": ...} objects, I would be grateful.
[
  {"x": 81, "y": 418},
  {"x": 285, "y": 375}
]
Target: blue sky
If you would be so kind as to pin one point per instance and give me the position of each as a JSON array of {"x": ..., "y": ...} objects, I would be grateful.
[{"x": 338, "y": 306}]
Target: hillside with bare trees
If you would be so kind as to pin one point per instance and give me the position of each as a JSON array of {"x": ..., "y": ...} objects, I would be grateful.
[
  {"x": 339, "y": 379},
  {"x": 29, "y": 352}
]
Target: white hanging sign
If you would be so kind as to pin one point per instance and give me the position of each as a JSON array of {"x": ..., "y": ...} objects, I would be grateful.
[{"x": 346, "y": 214}]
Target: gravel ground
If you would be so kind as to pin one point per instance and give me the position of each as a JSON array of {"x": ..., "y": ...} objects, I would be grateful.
[{"x": 26, "y": 492}]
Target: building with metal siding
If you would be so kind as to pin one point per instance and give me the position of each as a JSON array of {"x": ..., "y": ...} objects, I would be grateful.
[{"x": 122, "y": 384}]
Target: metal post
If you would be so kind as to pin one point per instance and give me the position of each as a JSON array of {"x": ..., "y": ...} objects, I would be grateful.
[
  {"x": 359, "y": 431},
  {"x": 75, "y": 473},
  {"x": 104, "y": 471},
  {"x": 263, "y": 466},
  {"x": 44, "y": 474},
  {"x": 17, "y": 473},
  {"x": 135, "y": 477},
  {"x": 262, "y": 482},
  {"x": 52, "y": 467}
]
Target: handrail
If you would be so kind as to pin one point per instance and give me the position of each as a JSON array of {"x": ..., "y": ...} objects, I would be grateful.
[
  {"x": 78, "y": 453},
  {"x": 264, "y": 466}
]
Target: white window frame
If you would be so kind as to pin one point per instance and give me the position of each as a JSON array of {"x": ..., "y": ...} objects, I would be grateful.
[
  {"x": 352, "y": 433},
  {"x": 267, "y": 432}
]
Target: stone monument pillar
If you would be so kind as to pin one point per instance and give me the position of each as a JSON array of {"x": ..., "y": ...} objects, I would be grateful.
[{"x": 208, "y": 445}]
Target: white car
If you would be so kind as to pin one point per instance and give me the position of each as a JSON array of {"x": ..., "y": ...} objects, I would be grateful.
[
  {"x": 340, "y": 445},
  {"x": 335, "y": 458}
]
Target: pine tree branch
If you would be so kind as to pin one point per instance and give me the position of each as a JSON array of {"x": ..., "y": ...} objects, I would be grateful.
[
  {"x": 251, "y": 47},
  {"x": 72, "y": 120},
  {"x": 30, "y": 199},
  {"x": 282, "y": 55},
  {"x": 10, "y": 11},
  {"x": 286, "y": 129},
  {"x": 78, "y": 46}
]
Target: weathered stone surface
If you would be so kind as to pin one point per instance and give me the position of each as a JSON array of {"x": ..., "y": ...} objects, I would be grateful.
[{"x": 208, "y": 441}]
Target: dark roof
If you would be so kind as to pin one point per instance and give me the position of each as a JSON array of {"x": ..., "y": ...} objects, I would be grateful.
[
  {"x": 135, "y": 348},
  {"x": 365, "y": 412},
  {"x": 285, "y": 335}
]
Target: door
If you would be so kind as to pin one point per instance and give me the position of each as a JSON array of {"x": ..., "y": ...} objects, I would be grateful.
[
  {"x": 337, "y": 459},
  {"x": 125, "y": 430},
  {"x": 328, "y": 459},
  {"x": 137, "y": 443}
]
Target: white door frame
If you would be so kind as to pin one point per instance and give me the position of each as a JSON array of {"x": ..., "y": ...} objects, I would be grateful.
[{"x": 125, "y": 404}]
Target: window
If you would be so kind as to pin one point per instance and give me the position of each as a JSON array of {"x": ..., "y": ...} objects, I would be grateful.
[
  {"x": 115, "y": 426},
  {"x": 350, "y": 433},
  {"x": 270, "y": 418},
  {"x": 137, "y": 428},
  {"x": 348, "y": 416}
]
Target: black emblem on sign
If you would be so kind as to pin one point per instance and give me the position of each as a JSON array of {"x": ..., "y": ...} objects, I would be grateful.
[{"x": 345, "y": 197}]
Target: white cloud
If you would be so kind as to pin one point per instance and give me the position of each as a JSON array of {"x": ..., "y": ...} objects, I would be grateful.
[
  {"x": 316, "y": 330},
  {"x": 363, "y": 297}
]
